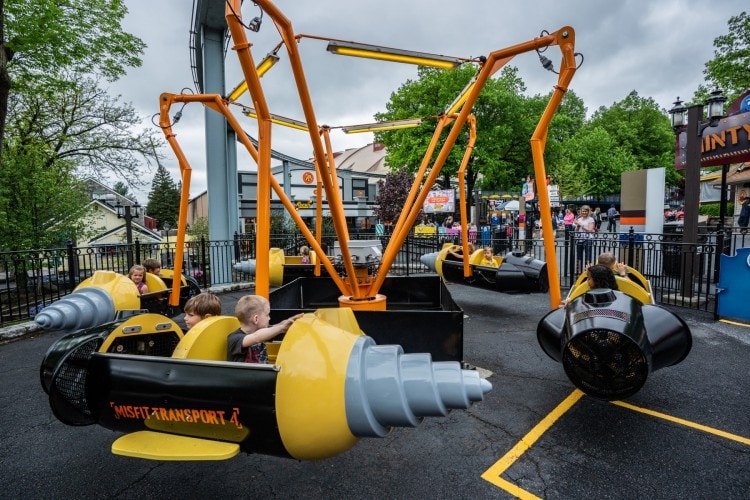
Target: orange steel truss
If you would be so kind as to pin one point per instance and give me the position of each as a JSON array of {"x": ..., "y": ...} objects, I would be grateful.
[{"x": 353, "y": 287}]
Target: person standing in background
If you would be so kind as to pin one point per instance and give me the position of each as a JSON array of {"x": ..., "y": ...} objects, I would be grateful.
[
  {"x": 584, "y": 233},
  {"x": 744, "y": 217},
  {"x": 612, "y": 214},
  {"x": 597, "y": 215},
  {"x": 568, "y": 220}
]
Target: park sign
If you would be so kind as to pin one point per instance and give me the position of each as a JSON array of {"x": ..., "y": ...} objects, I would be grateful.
[
  {"x": 440, "y": 201},
  {"x": 728, "y": 142}
]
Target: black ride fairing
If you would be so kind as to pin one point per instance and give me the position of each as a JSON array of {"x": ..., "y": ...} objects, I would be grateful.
[{"x": 224, "y": 401}]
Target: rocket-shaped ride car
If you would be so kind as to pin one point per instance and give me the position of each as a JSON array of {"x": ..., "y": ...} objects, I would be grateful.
[{"x": 328, "y": 385}]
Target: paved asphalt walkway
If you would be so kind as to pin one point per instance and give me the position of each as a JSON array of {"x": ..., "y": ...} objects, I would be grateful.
[{"x": 685, "y": 434}]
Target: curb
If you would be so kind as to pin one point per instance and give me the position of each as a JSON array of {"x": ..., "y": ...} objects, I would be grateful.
[{"x": 12, "y": 332}]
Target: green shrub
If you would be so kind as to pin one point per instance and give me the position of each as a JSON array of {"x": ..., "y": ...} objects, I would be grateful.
[{"x": 712, "y": 209}]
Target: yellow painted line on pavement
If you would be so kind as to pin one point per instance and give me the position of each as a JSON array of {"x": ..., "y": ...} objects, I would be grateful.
[
  {"x": 492, "y": 474},
  {"x": 687, "y": 423},
  {"x": 736, "y": 323}
]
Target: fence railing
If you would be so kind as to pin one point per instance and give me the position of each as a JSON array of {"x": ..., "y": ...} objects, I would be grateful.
[{"x": 681, "y": 274}]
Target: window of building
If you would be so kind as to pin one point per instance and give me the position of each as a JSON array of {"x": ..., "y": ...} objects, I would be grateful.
[{"x": 359, "y": 188}]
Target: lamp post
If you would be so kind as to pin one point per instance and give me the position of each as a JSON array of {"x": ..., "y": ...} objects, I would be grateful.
[
  {"x": 723, "y": 197},
  {"x": 166, "y": 233},
  {"x": 478, "y": 207},
  {"x": 689, "y": 121},
  {"x": 522, "y": 209},
  {"x": 127, "y": 212}
]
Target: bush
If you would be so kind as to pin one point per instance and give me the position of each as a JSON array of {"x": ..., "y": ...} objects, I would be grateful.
[{"x": 712, "y": 209}]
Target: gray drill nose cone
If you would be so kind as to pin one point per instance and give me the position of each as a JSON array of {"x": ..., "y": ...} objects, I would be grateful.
[
  {"x": 430, "y": 260},
  {"x": 81, "y": 309},
  {"x": 387, "y": 388},
  {"x": 246, "y": 266}
]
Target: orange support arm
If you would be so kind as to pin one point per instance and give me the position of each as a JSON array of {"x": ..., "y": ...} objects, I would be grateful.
[
  {"x": 325, "y": 165},
  {"x": 462, "y": 193},
  {"x": 566, "y": 40}
]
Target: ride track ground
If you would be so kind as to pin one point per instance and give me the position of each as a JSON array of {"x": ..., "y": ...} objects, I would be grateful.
[{"x": 685, "y": 434}]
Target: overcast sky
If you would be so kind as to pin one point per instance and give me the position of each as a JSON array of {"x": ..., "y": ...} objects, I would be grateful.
[{"x": 657, "y": 48}]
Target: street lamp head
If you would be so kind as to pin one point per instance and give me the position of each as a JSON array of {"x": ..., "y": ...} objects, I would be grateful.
[
  {"x": 715, "y": 105},
  {"x": 124, "y": 211},
  {"x": 678, "y": 114}
]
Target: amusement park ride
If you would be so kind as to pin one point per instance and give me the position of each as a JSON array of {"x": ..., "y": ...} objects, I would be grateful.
[{"x": 329, "y": 381}]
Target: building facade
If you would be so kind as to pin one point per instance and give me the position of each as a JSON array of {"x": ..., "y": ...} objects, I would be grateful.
[{"x": 358, "y": 172}]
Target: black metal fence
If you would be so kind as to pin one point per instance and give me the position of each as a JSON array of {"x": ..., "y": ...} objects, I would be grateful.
[{"x": 681, "y": 274}]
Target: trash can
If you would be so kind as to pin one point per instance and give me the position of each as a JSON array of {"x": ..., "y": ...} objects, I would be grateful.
[
  {"x": 636, "y": 260},
  {"x": 502, "y": 243},
  {"x": 671, "y": 250},
  {"x": 486, "y": 236}
]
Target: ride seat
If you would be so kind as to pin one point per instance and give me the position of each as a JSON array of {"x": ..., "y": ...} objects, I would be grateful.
[
  {"x": 297, "y": 259},
  {"x": 633, "y": 274},
  {"x": 477, "y": 259},
  {"x": 208, "y": 339},
  {"x": 168, "y": 276},
  {"x": 155, "y": 283},
  {"x": 146, "y": 334},
  {"x": 624, "y": 285},
  {"x": 157, "y": 298}
]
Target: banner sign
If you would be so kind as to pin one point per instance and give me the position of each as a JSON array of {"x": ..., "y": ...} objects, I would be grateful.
[
  {"x": 527, "y": 190},
  {"x": 440, "y": 201},
  {"x": 554, "y": 194},
  {"x": 728, "y": 142}
]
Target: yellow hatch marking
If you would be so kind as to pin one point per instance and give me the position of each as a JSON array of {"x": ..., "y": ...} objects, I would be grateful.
[
  {"x": 493, "y": 474},
  {"x": 686, "y": 423}
]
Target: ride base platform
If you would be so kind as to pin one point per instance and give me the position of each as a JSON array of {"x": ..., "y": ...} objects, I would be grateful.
[{"x": 420, "y": 315}]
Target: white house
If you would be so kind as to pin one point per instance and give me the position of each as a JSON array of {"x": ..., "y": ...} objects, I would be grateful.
[{"x": 108, "y": 228}]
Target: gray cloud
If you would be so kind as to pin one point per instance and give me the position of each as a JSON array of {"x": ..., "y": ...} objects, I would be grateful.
[{"x": 655, "y": 48}]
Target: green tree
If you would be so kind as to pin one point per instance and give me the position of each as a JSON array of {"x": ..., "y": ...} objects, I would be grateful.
[
  {"x": 568, "y": 120},
  {"x": 392, "y": 194},
  {"x": 592, "y": 164},
  {"x": 637, "y": 125},
  {"x": 506, "y": 120},
  {"x": 64, "y": 133},
  {"x": 199, "y": 229},
  {"x": 426, "y": 97},
  {"x": 56, "y": 123},
  {"x": 123, "y": 190},
  {"x": 44, "y": 37},
  {"x": 729, "y": 70},
  {"x": 78, "y": 122},
  {"x": 41, "y": 206},
  {"x": 163, "y": 199}
]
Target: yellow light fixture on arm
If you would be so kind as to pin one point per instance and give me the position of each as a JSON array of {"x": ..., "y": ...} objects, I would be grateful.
[
  {"x": 395, "y": 55},
  {"x": 375, "y": 127},
  {"x": 262, "y": 69},
  {"x": 461, "y": 99},
  {"x": 277, "y": 119},
  {"x": 267, "y": 64}
]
